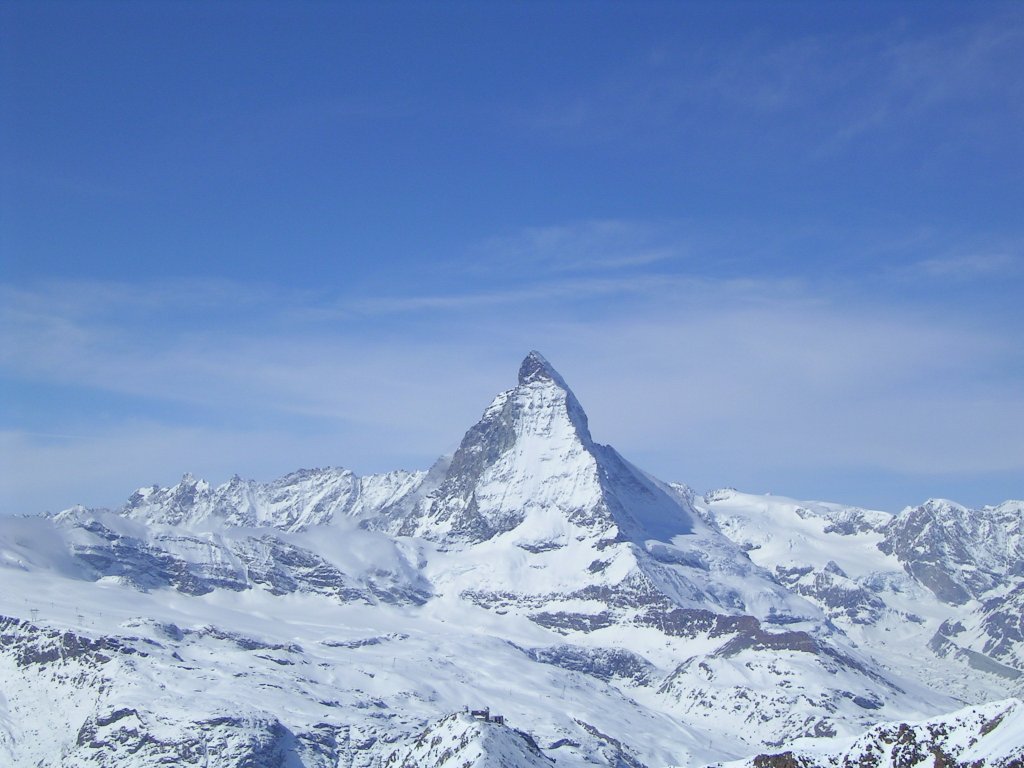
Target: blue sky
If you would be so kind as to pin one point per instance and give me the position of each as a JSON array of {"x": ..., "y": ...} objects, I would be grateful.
[{"x": 773, "y": 246}]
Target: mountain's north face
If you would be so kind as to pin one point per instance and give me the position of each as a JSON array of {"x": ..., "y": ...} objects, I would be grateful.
[{"x": 609, "y": 618}]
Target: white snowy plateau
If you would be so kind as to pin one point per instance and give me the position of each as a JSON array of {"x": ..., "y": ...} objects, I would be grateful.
[{"x": 532, "y": 600}]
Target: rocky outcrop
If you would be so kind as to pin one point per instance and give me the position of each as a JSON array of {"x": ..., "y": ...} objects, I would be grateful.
[
  {"x": 977, "y": 737},
  {"x": 959, "y": 553}
]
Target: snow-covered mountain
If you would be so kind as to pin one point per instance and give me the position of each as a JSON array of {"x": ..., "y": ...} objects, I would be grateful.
[
  {"x": 325, "y": 619},
  {"x": 294, "y": 502},
  {"x": 986, "y": 735},
  {"x": 935, "y": 590}
]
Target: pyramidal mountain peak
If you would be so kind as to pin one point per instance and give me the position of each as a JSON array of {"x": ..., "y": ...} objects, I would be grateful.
[
  {"x": 537, "y": 374},
  {"x": 531, "y": 460},
  {"x": 536, "y": 367}
]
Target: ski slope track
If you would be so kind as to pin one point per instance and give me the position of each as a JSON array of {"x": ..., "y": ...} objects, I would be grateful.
[{"x": 533, "y": 599}]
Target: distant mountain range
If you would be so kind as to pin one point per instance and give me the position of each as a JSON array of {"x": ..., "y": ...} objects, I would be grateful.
[{"x": 609, "y": 618}]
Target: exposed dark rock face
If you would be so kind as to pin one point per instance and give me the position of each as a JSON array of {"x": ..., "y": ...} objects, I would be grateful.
[
  {"x": 455, "y": 501},
  {"x": 147, "y": 566},
  {"x": 566, "y": 621},
  {"x": 832, "y": 589},
  {"x": 126, "y": 737},
  {"x": 1003, "y": 623},
  {"x": 200, "y": 564},
  {"x": 849, "y": 522},
  {"x": 781, "y": 760},
  {"x": 615, "y": 752},
  {"x": 956, "y": 552},
  {"x": 758, "y": 640},
  {"x": 943, "y": 644},
  {"x": 965, "y": 555},
  {"x": 602, "y": 663},
  {"x": 32, "y": 645},
  {"x": 948, "y": 742}
]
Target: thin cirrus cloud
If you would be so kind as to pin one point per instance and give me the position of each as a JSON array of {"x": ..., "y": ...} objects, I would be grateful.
[
  {"x": 583, "y": 246},
  {"x": 696, "y": 378},
  {"x": 910, "y": 78},
  {"x": 839, "y": 88},
  {"x": 965, "y": 267}
]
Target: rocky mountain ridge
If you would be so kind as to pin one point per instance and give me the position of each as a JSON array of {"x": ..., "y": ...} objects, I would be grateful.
[
  {"x": 986, "y": 735},
  {"x": 327, "y": 619}
]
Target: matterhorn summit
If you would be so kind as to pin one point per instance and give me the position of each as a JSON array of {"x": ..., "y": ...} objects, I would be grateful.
[{"x": 531, "y": 465}]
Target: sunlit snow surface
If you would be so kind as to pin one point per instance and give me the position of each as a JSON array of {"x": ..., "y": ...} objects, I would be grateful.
[
  {"x": 834, "y": 555},
  {"x": 983, "y": 735},
  {"x": 325, "y": 619}
]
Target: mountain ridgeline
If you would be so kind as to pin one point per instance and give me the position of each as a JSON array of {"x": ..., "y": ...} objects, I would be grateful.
[{"x": 610, "y": 618}]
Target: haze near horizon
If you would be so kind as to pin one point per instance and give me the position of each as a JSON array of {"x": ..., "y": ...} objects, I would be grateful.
[{"x": 774, "y": 248}]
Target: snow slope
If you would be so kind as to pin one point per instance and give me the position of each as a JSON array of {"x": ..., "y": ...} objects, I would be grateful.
[
  {"x": 900, "y": 585},
  {"x": 987, "y": 735},
  {"x": 325, "y": 619}
]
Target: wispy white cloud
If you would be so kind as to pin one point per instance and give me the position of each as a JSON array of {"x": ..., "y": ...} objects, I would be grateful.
[
  {"x": 697, "y": 379},
  {"x": 544, "y": 291},
  {"x": 822, "y": 90},
  {"x": 913, "y": 76},
  {"x": 594, "y": 245},
  {"x": 969, "y": 266}
]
